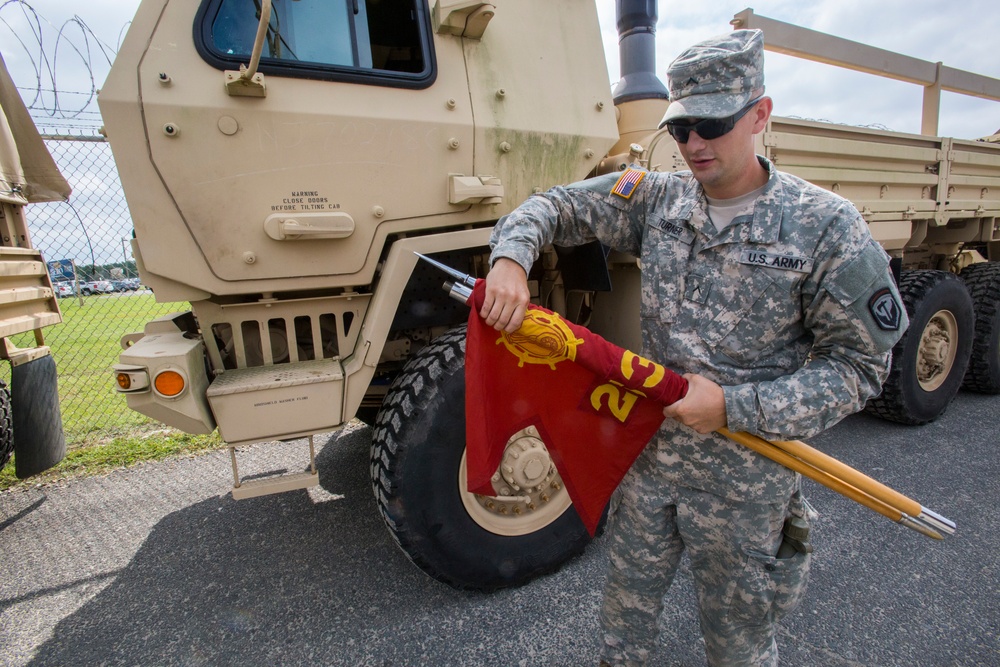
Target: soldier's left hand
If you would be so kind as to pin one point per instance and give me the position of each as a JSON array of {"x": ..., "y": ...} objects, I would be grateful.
[
  {"x": 507, "y": 296},
  {"x": 703, "y": 408}
]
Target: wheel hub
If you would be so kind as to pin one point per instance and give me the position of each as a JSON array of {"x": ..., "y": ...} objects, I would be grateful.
[
  {"x": 937, "y": 350},
  {"x": 526, "y": 466},
  {"x": 529, "y": 492}
]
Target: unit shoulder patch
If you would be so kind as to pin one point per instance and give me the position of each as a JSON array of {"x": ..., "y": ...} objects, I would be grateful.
[
  {"x": 885, "y": 309},
  {"x": 628, "y": 182}
]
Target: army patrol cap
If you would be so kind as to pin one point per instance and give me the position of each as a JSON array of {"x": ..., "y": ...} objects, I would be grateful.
[{"x": 717, "y": 77}]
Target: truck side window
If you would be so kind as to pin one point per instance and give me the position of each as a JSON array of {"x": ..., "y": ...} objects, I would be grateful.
[{"x": 382, "y": 42}]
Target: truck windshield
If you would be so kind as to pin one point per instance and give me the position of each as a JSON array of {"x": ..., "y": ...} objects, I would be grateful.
[{"x": 369, "y": 41}]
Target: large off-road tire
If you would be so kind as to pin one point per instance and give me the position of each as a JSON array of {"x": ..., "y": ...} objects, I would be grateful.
[
  {"x": 6, "y": 429},
  {"x": 418, "y": 476},
  {"x": 983, "y": 281},
  {"x": 929, "y": 361}
]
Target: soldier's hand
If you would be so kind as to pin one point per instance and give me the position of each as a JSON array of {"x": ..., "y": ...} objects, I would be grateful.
[
  {"x": 507, "y": 296},
  {"x": 703, "y": 408}
]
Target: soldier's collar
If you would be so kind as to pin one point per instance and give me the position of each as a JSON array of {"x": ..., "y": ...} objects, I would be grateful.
[{"x": 766, "y": 225}]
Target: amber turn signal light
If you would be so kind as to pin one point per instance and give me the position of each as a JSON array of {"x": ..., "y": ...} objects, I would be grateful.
[{"x": 169, "y": 383}]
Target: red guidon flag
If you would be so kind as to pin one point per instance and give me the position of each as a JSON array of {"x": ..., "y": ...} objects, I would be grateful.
[{"x": 594, "y": 404}]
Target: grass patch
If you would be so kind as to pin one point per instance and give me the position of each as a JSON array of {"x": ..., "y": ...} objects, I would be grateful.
[
  {"x": 120, "y": 452},
  {"x": 85, "y": 347},
  {"x": 102, "y": 434}
]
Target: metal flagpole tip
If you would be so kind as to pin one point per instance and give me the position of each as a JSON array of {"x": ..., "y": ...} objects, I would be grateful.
[
  {"x": 919, "y": 526},
  {"x": 461, "y": 289},
  {"x": 465, "y": 278},
  {"x": 929, "y": 523},
  {"x": 936, "y": 521}
]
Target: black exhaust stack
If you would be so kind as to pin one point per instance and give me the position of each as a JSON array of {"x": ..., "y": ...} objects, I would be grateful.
[{"x": 637, "y": 51}]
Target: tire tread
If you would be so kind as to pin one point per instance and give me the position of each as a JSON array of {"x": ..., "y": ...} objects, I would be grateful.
[
  {"x": 983, "y": 281},
  {"x": 6, "y": 426},
  {"x": 891, "y": 404},
  {"x": 415, "y": 391},
  {"x": 406, "y": 395}
]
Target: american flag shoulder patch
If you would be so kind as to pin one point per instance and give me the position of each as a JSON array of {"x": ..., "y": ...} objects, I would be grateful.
[{"x": 628, "y": 182}]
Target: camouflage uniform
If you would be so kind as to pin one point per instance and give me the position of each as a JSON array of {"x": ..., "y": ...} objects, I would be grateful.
[{"x": 793, "y": 311}]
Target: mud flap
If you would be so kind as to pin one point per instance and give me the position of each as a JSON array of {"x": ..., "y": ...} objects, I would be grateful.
[{"x": 39, "y": 442}]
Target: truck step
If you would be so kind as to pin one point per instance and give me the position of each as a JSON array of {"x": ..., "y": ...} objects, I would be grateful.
[
  {"x": 243, "y": 489},
  {"x": 280, "y": 484}
]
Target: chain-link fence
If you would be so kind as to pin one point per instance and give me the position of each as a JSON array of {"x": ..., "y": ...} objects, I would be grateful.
[{"x": 86, "y": 242}]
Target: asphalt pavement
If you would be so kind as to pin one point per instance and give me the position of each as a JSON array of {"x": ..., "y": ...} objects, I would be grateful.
[{"x": 158, "y": 565}]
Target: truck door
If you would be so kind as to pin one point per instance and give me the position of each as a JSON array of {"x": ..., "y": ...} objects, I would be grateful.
[{"x": 355, "y": 127}]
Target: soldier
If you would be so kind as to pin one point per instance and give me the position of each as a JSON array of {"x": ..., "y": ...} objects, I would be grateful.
[{"x": 770, "y": 295}]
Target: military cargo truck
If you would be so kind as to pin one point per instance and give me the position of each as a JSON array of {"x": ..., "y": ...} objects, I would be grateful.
[
  {"x": 284, "y": 160},
  {"x": 30, "y": 419}
]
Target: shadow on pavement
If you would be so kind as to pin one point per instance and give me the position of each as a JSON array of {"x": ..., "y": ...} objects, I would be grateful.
[
  {"x": 31, "y": 502},
  {"x": 269, "y": 580},
  {"x": 315, "y": 578},
  {"x": 305, "y": 578}
]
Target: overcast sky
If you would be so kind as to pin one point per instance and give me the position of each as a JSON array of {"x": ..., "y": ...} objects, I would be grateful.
[{"x": 960, "y": 33}]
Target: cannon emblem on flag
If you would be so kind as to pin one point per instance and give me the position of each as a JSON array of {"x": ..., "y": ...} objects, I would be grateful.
[{"x": 542, "y": 339}]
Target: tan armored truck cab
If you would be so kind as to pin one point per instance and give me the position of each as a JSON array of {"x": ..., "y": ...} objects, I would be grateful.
[{"x": 283, "y": 165}]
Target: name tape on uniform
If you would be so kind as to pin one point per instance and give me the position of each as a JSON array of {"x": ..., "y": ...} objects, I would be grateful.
[{"x": 777, "y": 261}]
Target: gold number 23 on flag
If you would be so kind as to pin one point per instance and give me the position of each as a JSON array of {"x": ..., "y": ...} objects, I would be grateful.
[
  {"x": 620, "y": 402},
  {"x": 657, "y": 371}
]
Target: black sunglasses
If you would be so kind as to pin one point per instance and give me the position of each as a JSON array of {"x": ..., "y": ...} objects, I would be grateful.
[{"x": 707, "y": 128}]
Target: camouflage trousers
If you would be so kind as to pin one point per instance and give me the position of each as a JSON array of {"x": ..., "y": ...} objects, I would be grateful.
[{"x": 743, "y": 590}]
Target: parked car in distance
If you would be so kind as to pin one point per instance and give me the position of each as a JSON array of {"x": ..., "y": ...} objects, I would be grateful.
[
  {"x": 63, "y": 289},
  {"x": 126, "y": 285},
  {"x": 96, "y": 287}
]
